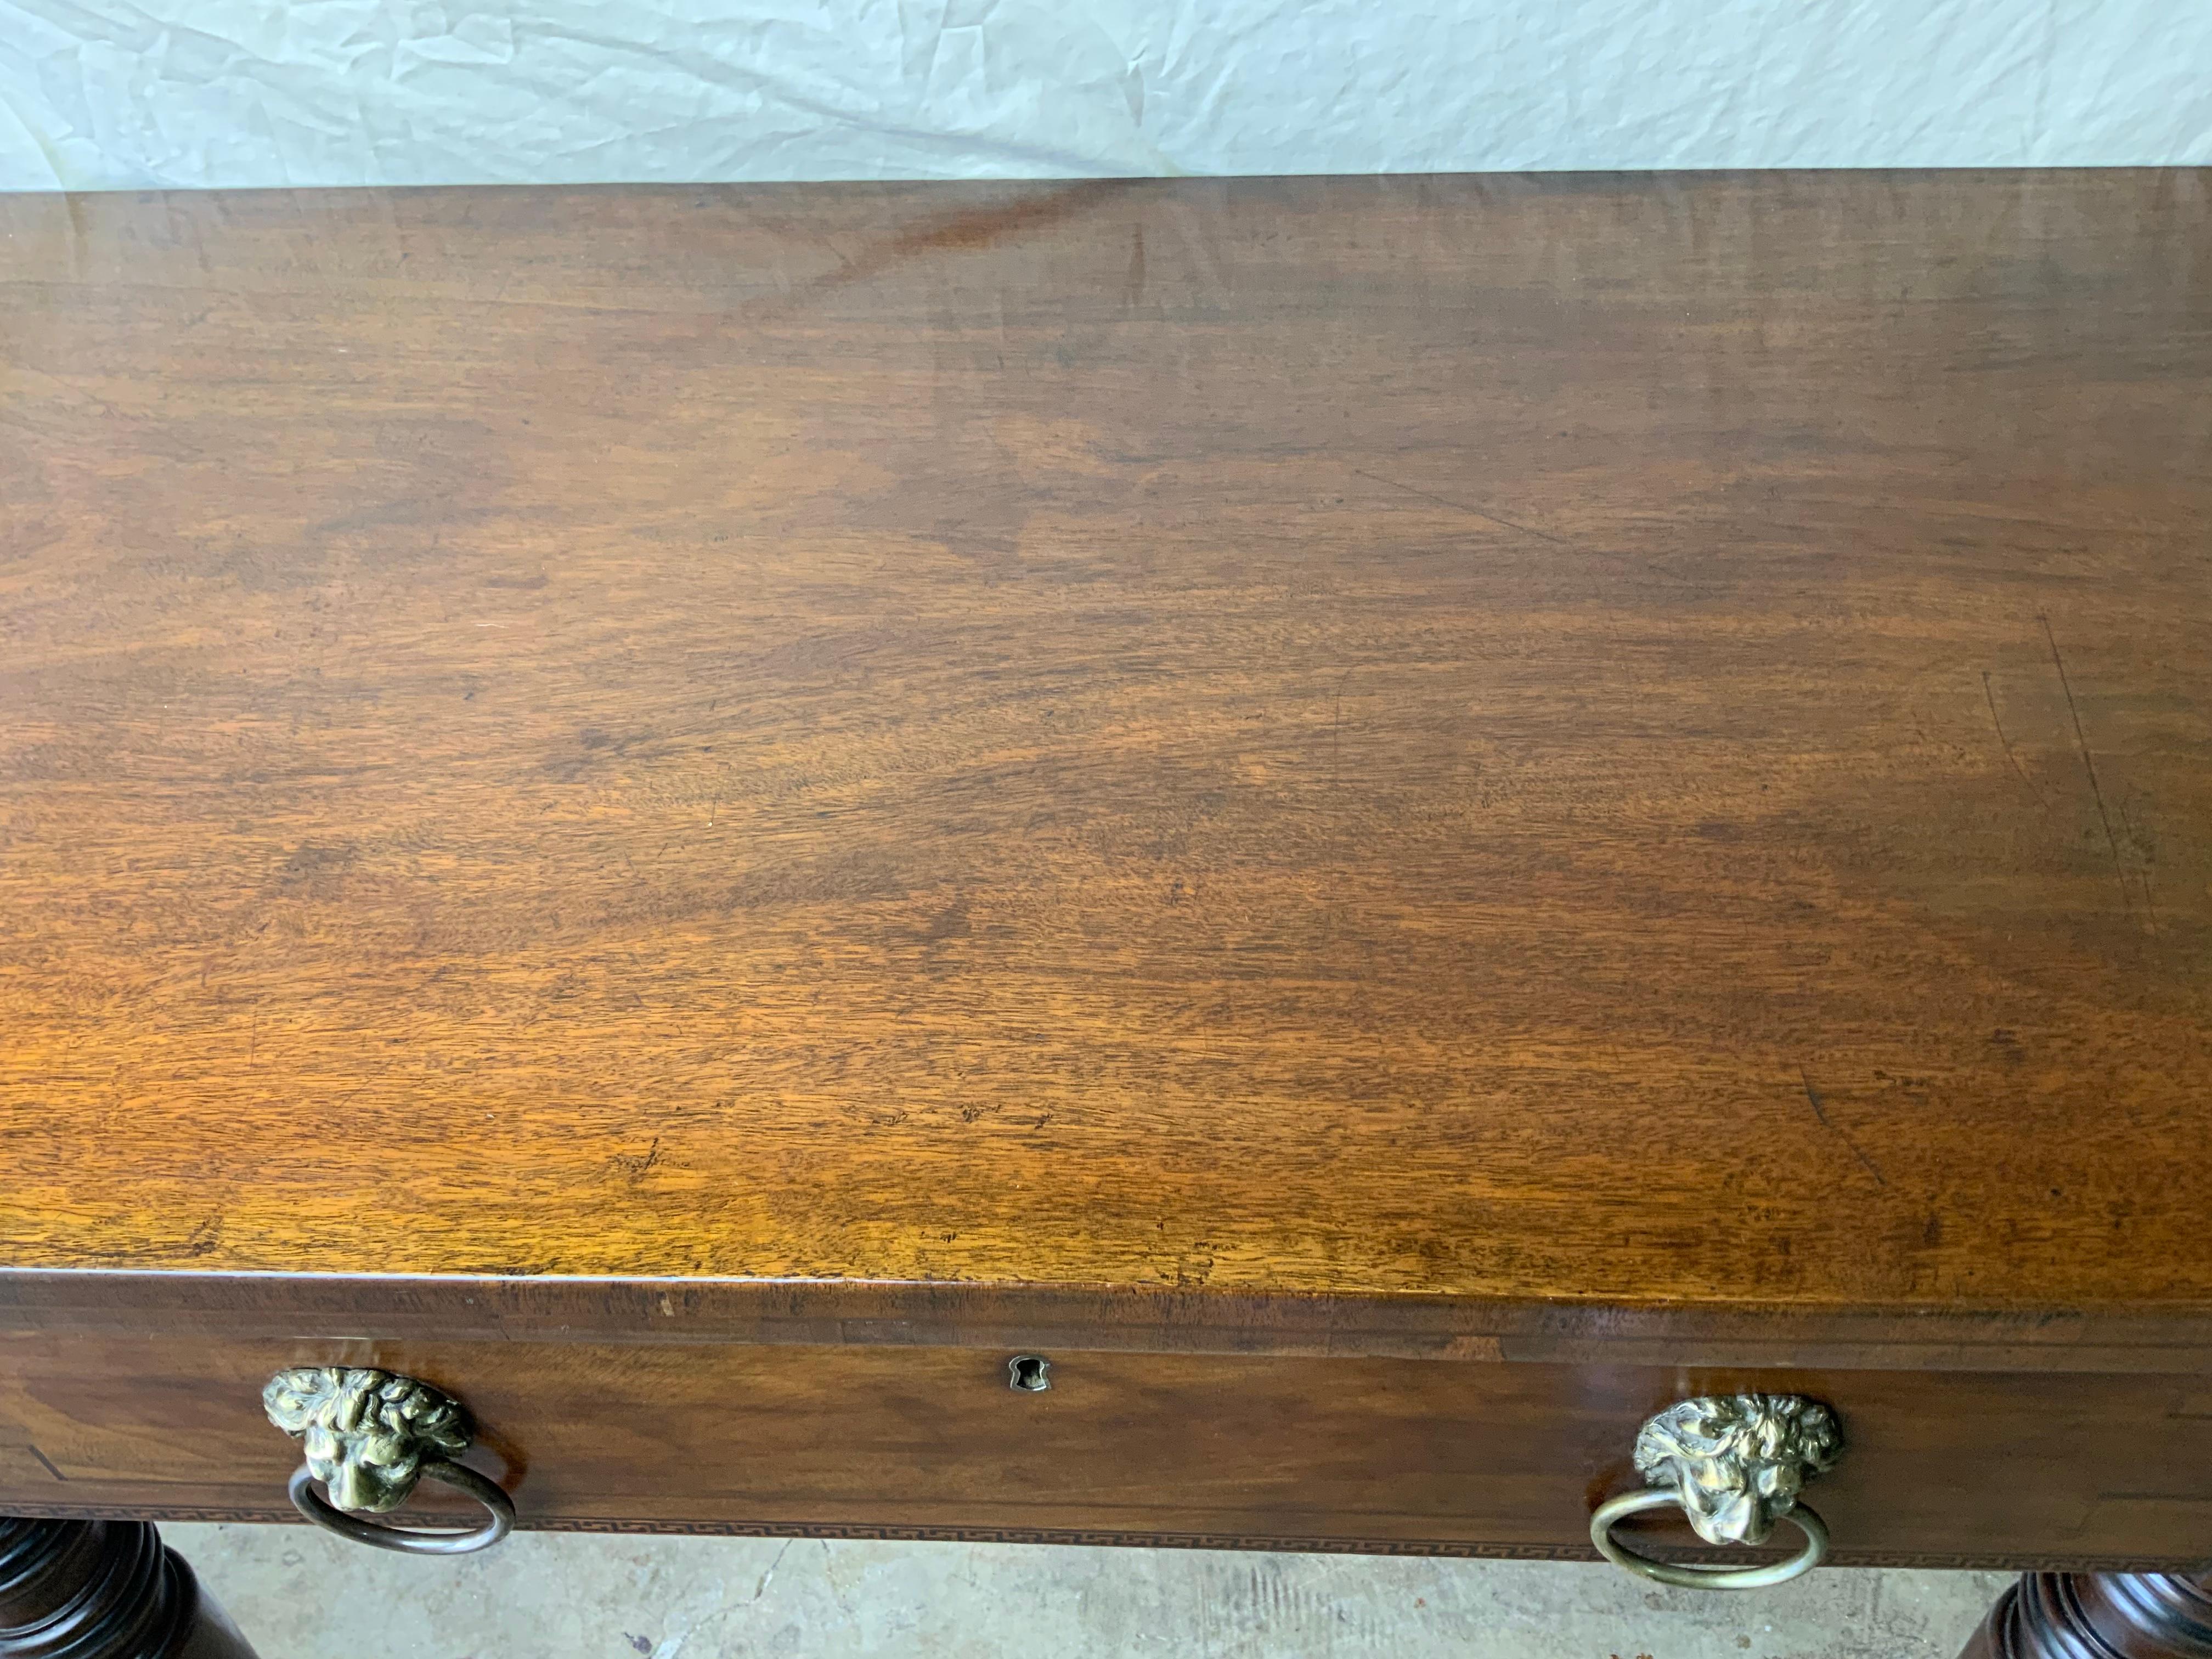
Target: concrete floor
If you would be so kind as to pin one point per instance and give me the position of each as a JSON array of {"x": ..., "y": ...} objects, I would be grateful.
[{"x": 301, "y": 1593}]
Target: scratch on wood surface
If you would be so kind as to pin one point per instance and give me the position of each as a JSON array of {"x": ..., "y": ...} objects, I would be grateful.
[
  {"x": 1336, "y": 731},
  {"x": 1819, "y": 1110},
  {"x": 2006, "y": 743},
  {"x": 2089, "y": 766},
  {"x": 1461, "y": 507},
  {"x": 2142, "y": 875},
  {"x": 635, "y": 1166}
]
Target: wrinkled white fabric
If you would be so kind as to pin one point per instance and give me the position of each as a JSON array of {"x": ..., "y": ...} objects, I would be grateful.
[{"x": 113, "y": 94}]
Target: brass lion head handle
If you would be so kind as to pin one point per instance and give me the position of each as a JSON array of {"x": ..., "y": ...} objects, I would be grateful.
[
  {"x": 1734, "y": 1463},
  {"x": 369, "y": 1436},
  {"x": 365, "y": 1432},
  {"x": 1737, "y": 1461}
]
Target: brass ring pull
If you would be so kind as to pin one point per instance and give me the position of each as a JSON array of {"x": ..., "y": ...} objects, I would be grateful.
[
  {"x": 369, "y": 1436},
  {"x": 411, "y": 1540},
  {"x": 1735, "y": 1464},
  {"x": 1689, "y": 1577}
]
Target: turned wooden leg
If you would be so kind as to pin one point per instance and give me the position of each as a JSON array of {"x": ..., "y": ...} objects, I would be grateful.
[
  {"x": 2099, "y": 1615},
  {"x": 104, "y": 1589}
]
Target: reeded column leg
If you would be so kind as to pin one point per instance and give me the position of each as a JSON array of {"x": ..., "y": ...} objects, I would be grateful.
[
  {"x": 104, "y": 1589},
  {"x": 2099, "y": 1615}
]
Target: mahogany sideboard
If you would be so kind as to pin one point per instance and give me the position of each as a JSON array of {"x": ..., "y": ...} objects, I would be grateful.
[{"x": 1243, "y": 863}]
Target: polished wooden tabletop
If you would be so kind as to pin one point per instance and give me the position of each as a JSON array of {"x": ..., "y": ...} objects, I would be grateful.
[{"x": 1638, "y": 739}]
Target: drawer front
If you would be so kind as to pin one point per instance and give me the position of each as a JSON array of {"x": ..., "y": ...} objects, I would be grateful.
[{"x": 1449, "y": 1457}]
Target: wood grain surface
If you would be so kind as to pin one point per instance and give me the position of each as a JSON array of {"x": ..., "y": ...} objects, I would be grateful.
[
  {"x": 2144, "y": 1341},
  {"x": 1638, "y": 739},
  {"x": 1252, "y": 1451}
]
